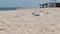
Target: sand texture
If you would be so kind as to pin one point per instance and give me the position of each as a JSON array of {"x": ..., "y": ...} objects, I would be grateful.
[{"x": 22, "y": 21}]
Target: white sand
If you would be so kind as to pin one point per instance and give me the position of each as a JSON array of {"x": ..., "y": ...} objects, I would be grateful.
[{"x": 22, "y": 21}]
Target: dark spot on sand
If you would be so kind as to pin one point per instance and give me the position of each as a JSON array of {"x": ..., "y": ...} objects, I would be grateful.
[
  {"x": 2, "y": 29},
  {"x": 47, "y": 12},
  {"x": 5, "y": 23}
]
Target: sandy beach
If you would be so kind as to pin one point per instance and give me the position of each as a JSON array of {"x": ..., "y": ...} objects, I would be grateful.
[{"x": 22, "y": 21}]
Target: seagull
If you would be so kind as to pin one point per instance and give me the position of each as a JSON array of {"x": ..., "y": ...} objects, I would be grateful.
[{"x": 37, "y": 13}]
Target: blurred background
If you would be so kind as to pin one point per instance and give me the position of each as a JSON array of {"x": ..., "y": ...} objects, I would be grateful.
[{"x": 23, "y": 3}]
